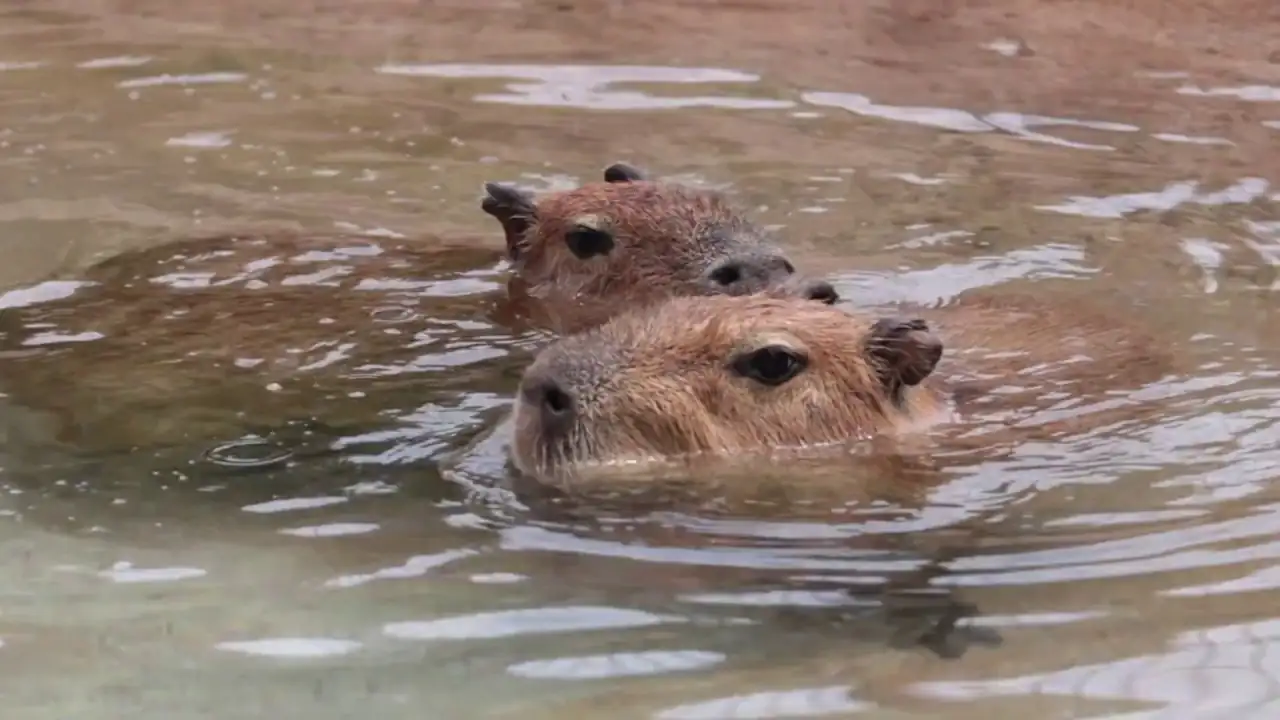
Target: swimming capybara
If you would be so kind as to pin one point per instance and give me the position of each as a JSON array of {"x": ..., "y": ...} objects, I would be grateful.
[
  {"x": 732, "y": 377},
  {"x": 203, "y": 337},
  {"x": 588, "y": 253}
]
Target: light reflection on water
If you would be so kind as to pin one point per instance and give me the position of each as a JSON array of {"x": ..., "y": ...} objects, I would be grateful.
[
  {"x": 582, "y": 86},
  {"x": 323, "y": 568}
]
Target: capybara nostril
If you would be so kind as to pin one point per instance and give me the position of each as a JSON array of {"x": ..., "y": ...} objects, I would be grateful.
[
  {"x": 556, "y": 402},
  {"x": 822, "y": 291},
  {"x": 750, "y": 272},
  {"x": 550, "y": 398},
  {"x": 727, "y": 275}
]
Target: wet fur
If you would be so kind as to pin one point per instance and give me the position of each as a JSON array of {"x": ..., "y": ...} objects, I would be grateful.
[
  {"x": 658, "y": 384},
  {"x": 667, "y": 237},
  {"x": 655, "y": 383},
  {"x": 170, "y": 362}
]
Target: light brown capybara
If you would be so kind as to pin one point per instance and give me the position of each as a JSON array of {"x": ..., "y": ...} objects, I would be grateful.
[
  {"x": 203, "y": 337},
  {"x": 698, "y": 403},
  {"x": 732, "y": 377},
  {"x": 586, "y": 254}
]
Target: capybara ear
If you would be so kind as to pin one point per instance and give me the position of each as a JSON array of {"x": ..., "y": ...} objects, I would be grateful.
[
  {"x": 514, "y": 208},
  {"x": 621, "y": 172},
  {"x": 905, "y": 352}
]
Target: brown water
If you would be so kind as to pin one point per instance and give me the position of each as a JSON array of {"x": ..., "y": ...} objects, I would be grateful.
[{"x": 914, "y": 149}]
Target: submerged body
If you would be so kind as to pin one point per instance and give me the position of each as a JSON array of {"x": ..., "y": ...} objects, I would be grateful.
[
  {"x": 729, "y": 378},
  {"x": 206, "y": 337}
]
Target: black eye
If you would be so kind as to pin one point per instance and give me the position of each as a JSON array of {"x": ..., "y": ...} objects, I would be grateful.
[
  {"x": 773, "y": 365},
  {"x": 585, "y": 242},
  {"x": 726, "y": 275}
]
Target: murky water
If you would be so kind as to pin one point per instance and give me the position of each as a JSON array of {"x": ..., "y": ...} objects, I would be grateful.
[{"x": 915, "y": 151}]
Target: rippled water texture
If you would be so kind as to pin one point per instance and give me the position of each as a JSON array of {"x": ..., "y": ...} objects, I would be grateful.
[{"x": 226, "y": 504}]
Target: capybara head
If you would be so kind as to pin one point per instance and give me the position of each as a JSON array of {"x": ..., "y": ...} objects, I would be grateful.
[
  {"x": 720, "y": 375},
  {"x": 638, "y": 239}
]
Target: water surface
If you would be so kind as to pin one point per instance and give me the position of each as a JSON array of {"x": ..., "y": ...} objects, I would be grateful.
[{"x": 914, "y": 152}]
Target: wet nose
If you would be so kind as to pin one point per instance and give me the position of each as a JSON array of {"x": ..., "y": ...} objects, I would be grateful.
[
  {"x": 750, "y": 274},
  {"x": 822, "y": 291},
  {"x": 554, "y": 403}
]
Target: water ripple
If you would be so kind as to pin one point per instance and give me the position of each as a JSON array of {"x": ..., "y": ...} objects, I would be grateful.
[
  {"x": 948, "y": 280},
  {"x": 1249, "y": 93},
  {"x": 1228, "y": 668},
  {"x": 116, "y": 61},
  {"x": 125, "y": 572},
  {"x": 193, "y": 79},
  {"x": 799, "y": 703},
  {"x": 1174, "y": 194},
  {"x": 1013, "y": 123},
  {"x": 508, "y": 623},
  {"x": 331, "y": 530},
  {"x": 289, "y": 504},
  {"x": 291, "y": 647},
  {"x": 416, "y": 566},
  {"x": 44, "y": 292},
  {"x": 1131, "y": 564},
  {"x": 595, "y": 667},
  {"x": 585, "y": 86}
]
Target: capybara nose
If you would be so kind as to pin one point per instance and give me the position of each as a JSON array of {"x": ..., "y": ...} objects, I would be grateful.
[
  {"x": 822, "y": 291},
  {"x": 728, "y": 275},
  {"x": 744, "y": 275},
  {"x": 554, "y": 404}
]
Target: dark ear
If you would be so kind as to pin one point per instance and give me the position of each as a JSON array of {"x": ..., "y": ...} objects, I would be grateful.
[
  {"x": 514, "y": 208},
  {"x": 905, "y": 353},
  {"x": 622, "y": 172}
]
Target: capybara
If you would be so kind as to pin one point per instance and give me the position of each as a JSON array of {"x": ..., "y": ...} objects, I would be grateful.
[
  {"x": 733, "y": 376},
  {"x": 200, "y": 338}
]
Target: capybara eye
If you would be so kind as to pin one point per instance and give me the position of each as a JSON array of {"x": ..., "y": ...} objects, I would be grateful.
[
  {"x": 726, "y": 275},
  {"x": 585, "y": 242},
  {"x": 773, "y": 365}
]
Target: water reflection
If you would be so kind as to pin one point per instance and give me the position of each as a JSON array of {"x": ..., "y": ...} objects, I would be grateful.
[
  {"x": 1192, "y": 139},
  {"x": 117, "y": 61},
  {"x": 594, "y": 667},
  {"x": 291, "y": 647},
  {"x": 1174, "y": 194},
  {"x": 1250, "y": 93},
  {"x": 965, "y": 122},
  {"x": 1217, "y": 669},
  {"x": 505, "y": 623},
  {"x": 201, "y": 140},
  {"x": 196, "y": 79},
  {"x": 416, "y": 566},
  {"x": 587, "y": 86},
  {"x": 125, "y": 572},
  {"x": 41, "y": 292},
  {"x": 799, "y": 703},
  {"x": 327, "y": 569},
  {"x": 330, "y": 530}
]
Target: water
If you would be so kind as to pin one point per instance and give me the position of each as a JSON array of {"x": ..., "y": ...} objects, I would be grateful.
[{"x": 258, "y": 530}]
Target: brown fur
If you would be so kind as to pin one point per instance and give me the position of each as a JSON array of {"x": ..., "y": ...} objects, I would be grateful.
[
  {"x": 661, "y": 384},
  {"x": 196, "y": 360},
  {"x": 666, "y": 239},
  {"x": 329, "y": 317}
]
